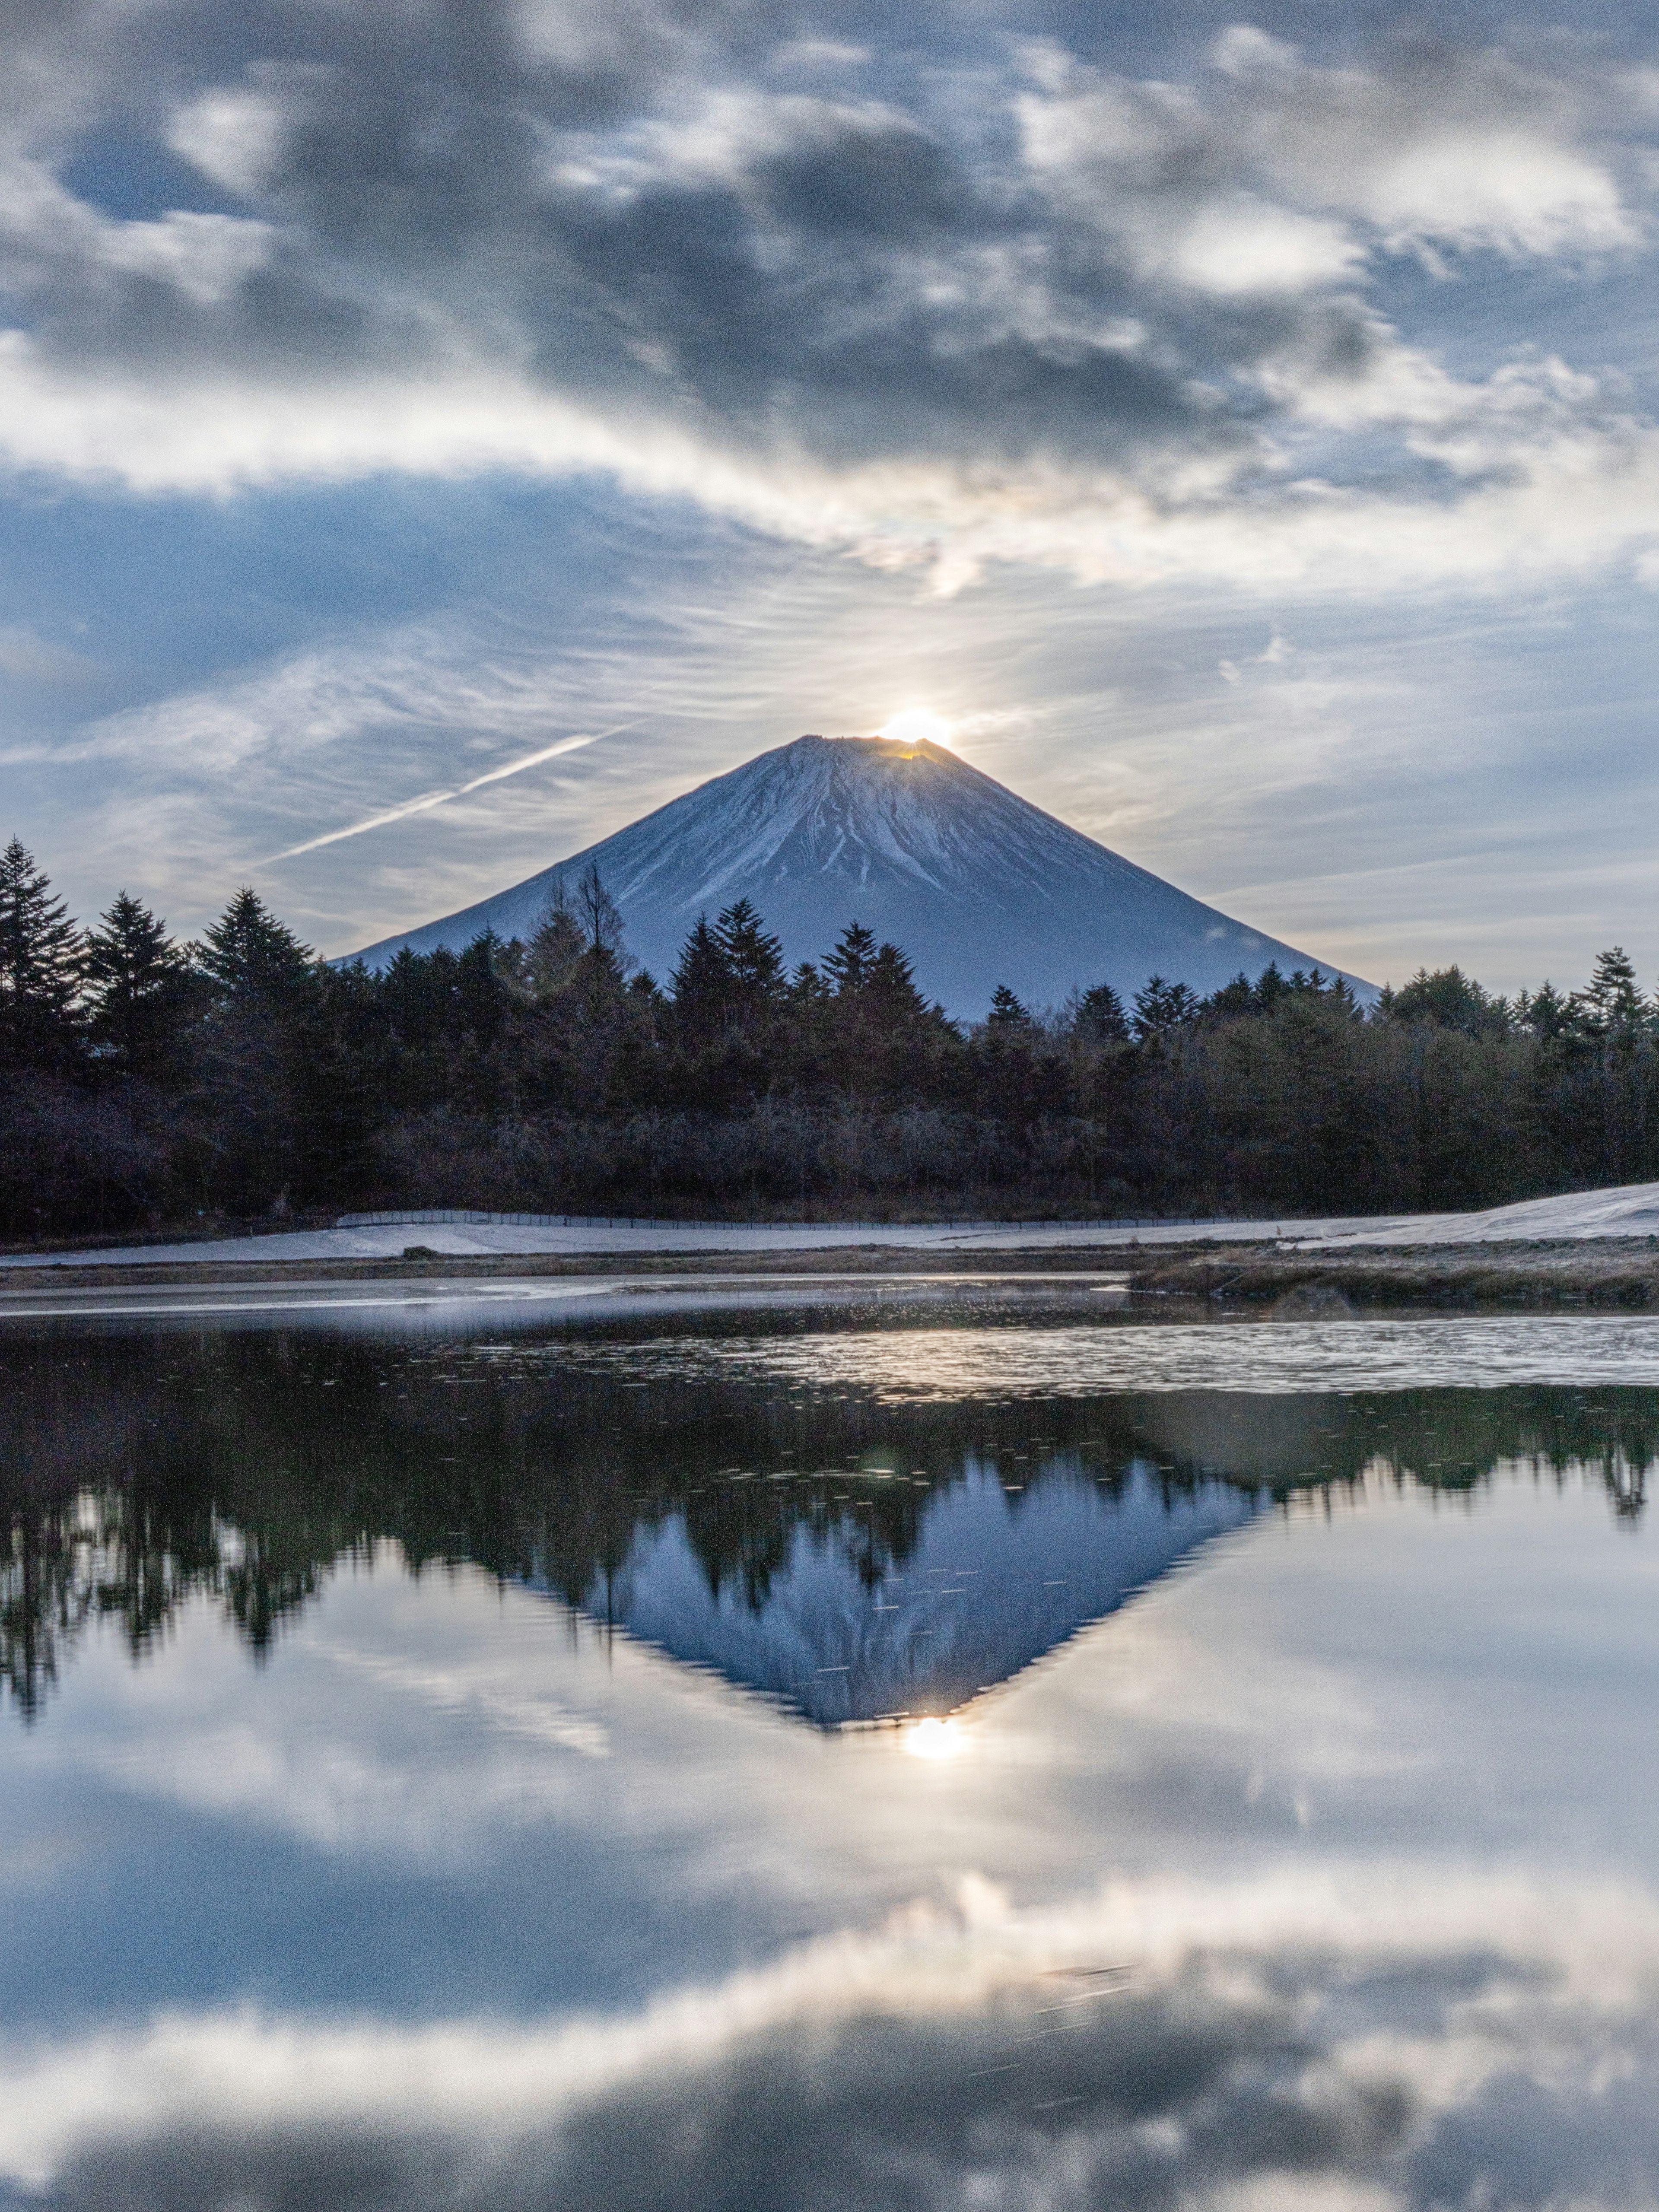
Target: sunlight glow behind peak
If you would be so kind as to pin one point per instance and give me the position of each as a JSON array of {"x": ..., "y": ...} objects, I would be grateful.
[
  {"x": 917, "y": 725},
  {"x": 934, "y": 1739}
]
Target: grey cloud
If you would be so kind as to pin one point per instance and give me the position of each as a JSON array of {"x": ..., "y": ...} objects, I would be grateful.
[
  {"x": 723, "y": 226},
  {"x": 1274, "y": 2070},
  {"x": 881, "y": 177}
]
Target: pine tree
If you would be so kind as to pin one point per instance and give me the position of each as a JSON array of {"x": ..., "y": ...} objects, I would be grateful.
[
  {"x": 754, "y": 959},
  {"x": 420, "y": 995},
  {"x": 1233, "y": 1000},
  {"x": 252, "y": 957},
  {"x": 1100, "y": 1017},
  {"x": 702, "y": 982},
  {"x": 1009, "y": 1016},
  {"x": 892, "y": 990},
  {"x": 1161, "y": 1006},
  {"x": 40, "y": 958},
  {"x": 139, "y": 992},
  {"x": 482, "y": 997},
  {"x": 556, "y": 943},
  {"x": 1447, "y": 998},
  {"x": 1545, "y": 1012},
  {"x": 847, "y": 968},
  {"x": 1611, "y": 1008},
  {"x": 807, "y": 988}
]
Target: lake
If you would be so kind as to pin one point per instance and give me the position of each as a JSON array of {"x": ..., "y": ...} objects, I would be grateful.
[{"x": 913, "y": 1750}]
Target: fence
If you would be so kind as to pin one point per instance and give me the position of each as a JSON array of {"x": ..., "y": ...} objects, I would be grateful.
[{"x": 464, "y": 1218}]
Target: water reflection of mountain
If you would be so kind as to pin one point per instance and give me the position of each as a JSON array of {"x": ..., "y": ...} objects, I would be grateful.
[
  {"x": 141, "y": 1472},
  {"x": 990, "y": 1583}
]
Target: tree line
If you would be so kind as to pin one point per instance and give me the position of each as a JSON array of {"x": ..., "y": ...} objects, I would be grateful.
[
  {"x": 144, "y": 1081},
  {"x": 143, "y": 1475}
]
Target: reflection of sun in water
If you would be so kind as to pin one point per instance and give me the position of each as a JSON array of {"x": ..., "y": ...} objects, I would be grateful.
[
  {"x": 917, "y": 725},
  {"x": 934, "y": 1739}
]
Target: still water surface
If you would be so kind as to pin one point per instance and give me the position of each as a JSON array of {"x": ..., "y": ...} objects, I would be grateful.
[{"x": 933, "y": 1757}]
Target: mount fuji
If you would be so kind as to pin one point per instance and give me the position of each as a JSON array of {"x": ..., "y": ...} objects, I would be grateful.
[
  {"x": 989, "y": 1588},
  {"x": 978, "y": 886}
]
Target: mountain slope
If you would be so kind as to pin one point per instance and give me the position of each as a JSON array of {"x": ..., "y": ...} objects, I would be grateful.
[
  {"x": 989, "y": 1588},
  {"x": 976, "y": 884}
]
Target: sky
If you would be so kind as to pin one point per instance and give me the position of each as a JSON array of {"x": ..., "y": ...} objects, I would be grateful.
[{"x": 468, "y": 423}]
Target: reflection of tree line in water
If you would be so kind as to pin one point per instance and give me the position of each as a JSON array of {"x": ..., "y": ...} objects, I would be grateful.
[{"x": 143, "y": 1473}]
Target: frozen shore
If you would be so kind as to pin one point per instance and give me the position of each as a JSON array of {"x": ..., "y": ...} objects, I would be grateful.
[{"x": 1630, "y": 1211}]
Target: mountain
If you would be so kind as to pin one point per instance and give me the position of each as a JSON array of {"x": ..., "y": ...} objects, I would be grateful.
[
  {"x": 992, "y": 1583},
  {"x": 976, "y": 884}
]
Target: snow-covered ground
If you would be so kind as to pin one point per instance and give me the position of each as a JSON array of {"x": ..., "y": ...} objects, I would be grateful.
[
  {"x": 486, "y": 1240},
  {"x": 1629, "y": 1210},
  {"x": 1632, "y": 1210}
]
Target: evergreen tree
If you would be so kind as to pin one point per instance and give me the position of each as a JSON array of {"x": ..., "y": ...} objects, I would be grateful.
[
  {"x": 1161, "y": 1006},
  {"x": 39, "y": 960},
  {"x": 418, "y": 994},
  {"x": 754, "y": 960},
  {"x": 731, "y": 1002},
  {"x": 1447, "y": 998},
  {"x": 1100, "y": 1017},
  {"x": 807, "y": 988},
  {"x": 1611, "y": 1009},
  {"x": 482, "y": 997},
  {"x": 1545, "y": 1012},
  {"x": 140, "y": 996},
  {"x": 1234, "y": 999},
  {"x": 337, "y": 1083},
  {"x": 884, "y": 1039},
  {"x": 556, "y": 943},
  {"x": 253, "y": 1051},
  {"x": 252, "y": 957},
  {"x": 847, "y": 968},
  {"x": 1271, "y": 986},
  {"x": 1009, "y": 1016},
  {"x": 892, "y": 987},
  {"x": 702, "y": 983}
]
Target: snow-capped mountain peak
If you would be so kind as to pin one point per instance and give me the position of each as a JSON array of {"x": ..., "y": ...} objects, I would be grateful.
[{"x": 976, "y": 883}]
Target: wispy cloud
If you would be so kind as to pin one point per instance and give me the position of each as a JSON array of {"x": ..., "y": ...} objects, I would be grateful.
[{"x": 430, "y": 799}]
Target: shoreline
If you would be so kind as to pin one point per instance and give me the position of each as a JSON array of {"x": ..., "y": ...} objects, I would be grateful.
[{"x": 1619, "y": 1272}]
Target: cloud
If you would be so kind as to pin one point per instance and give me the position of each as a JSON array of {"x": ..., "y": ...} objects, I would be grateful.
[
  {"x": 1009, "y": 306},
  {"x": 1285, "y": 2040},
  {"x": 1450, "y": 149},
  {"x": 428, "y": 800},
  {"x": 26, "y": 658},
  {"x": 1333, "y": 800}
]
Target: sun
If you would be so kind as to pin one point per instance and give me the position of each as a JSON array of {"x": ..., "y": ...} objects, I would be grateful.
[
  {"x": 917, "y": 725},
  {"x": 934, "y": 1739}
]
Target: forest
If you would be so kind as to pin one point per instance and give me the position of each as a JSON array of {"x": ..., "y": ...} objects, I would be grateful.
[{"x": 146, "y": 1084}]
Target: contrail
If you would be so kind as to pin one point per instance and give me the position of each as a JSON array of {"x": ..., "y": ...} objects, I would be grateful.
[{"x": 429, "y": 798}]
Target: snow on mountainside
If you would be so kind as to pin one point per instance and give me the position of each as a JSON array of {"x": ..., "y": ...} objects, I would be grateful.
[
  {"x": 976, "y": 884},
  {"x": 832, "y": 1646}
]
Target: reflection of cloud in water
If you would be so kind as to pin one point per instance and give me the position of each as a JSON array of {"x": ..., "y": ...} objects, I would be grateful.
[
  {"x": 500, "y": 1704},
  {"x": 1394, "y": 2030},
  {"x": 1079, "y": 1362},
  {"x": 1356, "y": 1804}
]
